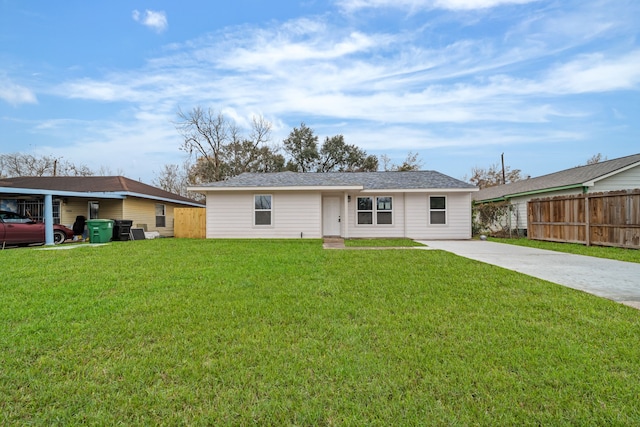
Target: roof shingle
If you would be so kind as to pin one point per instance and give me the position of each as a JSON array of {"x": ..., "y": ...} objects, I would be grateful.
[
  {"x": 568, "y": 177},
  {"x": 369, "y": 180}
]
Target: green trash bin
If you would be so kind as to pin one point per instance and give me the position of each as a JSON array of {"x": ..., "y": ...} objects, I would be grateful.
[{"x": 100, "y": 230}]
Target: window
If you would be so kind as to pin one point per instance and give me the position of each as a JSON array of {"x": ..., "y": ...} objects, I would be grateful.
[
  {"x": 34, "y": 209},
  {"x": 14, "y": 218},
  {"x": 382, "y": 211},
  {"x": 262, "y": 209},
  {"x": 437, "y": 210},
  {"x": 56, "y": 211},
  {"x": 365, "y": 210},
  {"x": 94, "y": 208},
  {"x": 161, "y": 219}
]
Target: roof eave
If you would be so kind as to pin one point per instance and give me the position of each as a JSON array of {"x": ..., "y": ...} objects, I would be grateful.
[
  {"x": 278, "y": 188},
  {"x": 545, "y": 190},
  {"x": 161, "y": 199},
  {"x": 60, "y": 193},
  {"x": 532, "y": 193},
  {"x": 422, "y": 190},
  {"x": 495, "y": 199},
  {"x": 610, "y": 174}
]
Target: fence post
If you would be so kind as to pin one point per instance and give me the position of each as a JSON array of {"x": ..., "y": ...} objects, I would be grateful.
[{"x": 587, "y": 219}]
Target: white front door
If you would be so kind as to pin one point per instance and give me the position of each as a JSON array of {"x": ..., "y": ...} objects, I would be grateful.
[{"x": 331, "y": 216}]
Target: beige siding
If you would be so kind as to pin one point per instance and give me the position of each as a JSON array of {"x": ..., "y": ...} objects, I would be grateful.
[
  {"x": 230, "y": 215},
  {"x": 140, "y": 211},
  {"x": 143, "y": 214},
  {"x": 168, "y": 229},
  {"x": 111, "y": 209},
  {"x": 73, "y": 207},
  {"x": 458, "y": 220}
]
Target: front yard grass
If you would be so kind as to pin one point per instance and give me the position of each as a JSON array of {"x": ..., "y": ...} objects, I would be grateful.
[
  {"x": 620, "y": 254},
  {"x": 381, "y": 243},
  {"x": 206, "y": 332}
]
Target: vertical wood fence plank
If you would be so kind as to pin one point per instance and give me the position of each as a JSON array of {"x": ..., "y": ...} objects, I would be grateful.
[
  {"x": 605, "y": 219},
  {"x": 587, "y": 221},
  {"x": 190, "y": 223}
]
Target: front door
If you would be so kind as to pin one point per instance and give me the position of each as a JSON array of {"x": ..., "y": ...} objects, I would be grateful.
[{"x": 331, "y": 216}]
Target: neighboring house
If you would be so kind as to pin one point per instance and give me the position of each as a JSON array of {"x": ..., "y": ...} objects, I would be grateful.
[
  {"x": 617, "y": 174},
  {"x": 104, "y": 197},
  {"x": 419, "y": 205}
]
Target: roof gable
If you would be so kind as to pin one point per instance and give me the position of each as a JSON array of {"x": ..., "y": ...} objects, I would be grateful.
[{"x": 568, "y": 178}]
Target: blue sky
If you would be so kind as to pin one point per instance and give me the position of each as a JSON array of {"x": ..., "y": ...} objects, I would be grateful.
[{"x": 549, "y": 83}]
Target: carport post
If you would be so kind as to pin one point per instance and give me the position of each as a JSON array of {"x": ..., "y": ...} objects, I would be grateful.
[{"x": 48, "y": 219}]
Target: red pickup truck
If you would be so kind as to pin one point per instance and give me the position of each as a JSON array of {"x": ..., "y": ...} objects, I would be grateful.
[{"x": 16, "y": 229}]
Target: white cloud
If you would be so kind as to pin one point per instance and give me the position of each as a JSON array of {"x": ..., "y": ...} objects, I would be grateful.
[
  {"x": 277, "y": 51},
  {"x": 156, "y": 20},
  {"x": 15, "y": 94},
  {"x": 413, "y": 5},
  {"x": 312, "y": 69},
  {"x": 382, "y": 87},
  {"x": 596, "y": 72}
]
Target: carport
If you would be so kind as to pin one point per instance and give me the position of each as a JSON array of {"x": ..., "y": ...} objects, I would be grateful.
[{"x": 48, "y": 195}]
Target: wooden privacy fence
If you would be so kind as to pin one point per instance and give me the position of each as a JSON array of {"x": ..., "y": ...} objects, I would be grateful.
[
  {"x": 604, "y": 219},
  {"x": 190, "y": 223}
]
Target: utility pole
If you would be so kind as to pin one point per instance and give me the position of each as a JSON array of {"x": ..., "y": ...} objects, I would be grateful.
[{"x": 504, "y": 179}]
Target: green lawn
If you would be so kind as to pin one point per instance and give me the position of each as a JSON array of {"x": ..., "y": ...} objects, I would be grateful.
[
  {"x": 620, "y": 254},
  {"x": 381, "y": 243},
  {"x": 203, "y": 332}
]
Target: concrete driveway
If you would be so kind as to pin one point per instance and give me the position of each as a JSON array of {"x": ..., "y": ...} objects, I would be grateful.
[{"x": 615, "y": 280}]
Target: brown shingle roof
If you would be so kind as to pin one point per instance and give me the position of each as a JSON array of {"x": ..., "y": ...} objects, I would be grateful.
[
  {"x": 92, "y": 184},
  {"x": 565, "y": 178}
]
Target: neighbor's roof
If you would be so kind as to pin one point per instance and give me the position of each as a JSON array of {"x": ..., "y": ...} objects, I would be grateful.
[
  {"x": 414, "y": 180},
  {"x": 568, "y": 178},
  {"x": 94, "y": 184}
]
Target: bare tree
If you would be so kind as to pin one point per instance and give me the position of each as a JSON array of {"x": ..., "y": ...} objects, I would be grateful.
[
  {"x": 596, "y": 158},
  {"x": 173, "y": 178},
  {"x": 218, "y": 145},
  {"x": 105, "y": 170},
  {"x": 411, "y": 163},
  {"x": 492, "y": 176},
  {"x": 205, "y": 135},
  {"x": 248, "y": 154},
  {"x": 20, "y": 164}
]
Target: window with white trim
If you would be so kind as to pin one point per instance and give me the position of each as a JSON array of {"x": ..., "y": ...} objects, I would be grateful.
[
  {"x": 94, "y": 209},
  {"x": 365, "y": 210},
  {"x": 262, "y": 208},
  {"x": 378, "y": 213},
  {"x": 161, "y": 219},
  {"x": 384, "y": 213},
  {"x": 437, "y": 210}
]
